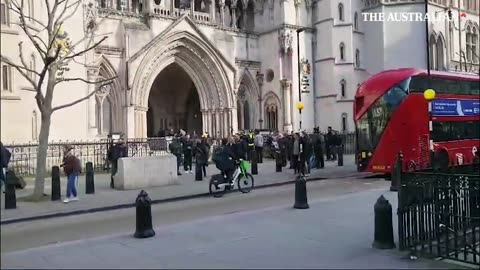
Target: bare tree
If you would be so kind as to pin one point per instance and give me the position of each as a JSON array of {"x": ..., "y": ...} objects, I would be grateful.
[{"x": 56, "y": 52}]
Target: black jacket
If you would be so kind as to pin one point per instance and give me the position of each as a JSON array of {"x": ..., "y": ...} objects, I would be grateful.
[{"x": 201, "y": 154}]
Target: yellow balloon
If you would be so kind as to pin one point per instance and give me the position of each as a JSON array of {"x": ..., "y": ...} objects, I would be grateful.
[
  {"x": 429, "y": 94},
  {"x": 300, "y": 105}
]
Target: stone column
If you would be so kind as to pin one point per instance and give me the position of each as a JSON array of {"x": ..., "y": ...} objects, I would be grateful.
[
  {"x": 222, "y": 12},
  {"x": 217, "y": 123},
  {"x": 244, "y": 17},
  {"x": 192, "y": 7},
  {"x": 222, "y": 123},
  {"x": 213, "y": 10},
  {"x": 287, "y": 122},
  {"x": 226, "y": 126},
  {"x": 172, "y": 7},
  {"x": 233, "y": 119},
  {"x": 260, "y": 77},
  {"x": 241, "y": 113},
  {"x": 204, "y": 121},
  {"x": 210, "y": 122},
  {"x": 234, "y": 15},
  {"x": 92, "y": 119}
]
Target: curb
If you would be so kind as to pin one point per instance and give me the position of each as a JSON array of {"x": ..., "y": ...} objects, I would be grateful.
[{"x": 158, "y": 201}]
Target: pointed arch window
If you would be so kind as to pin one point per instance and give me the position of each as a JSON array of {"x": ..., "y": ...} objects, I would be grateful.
[
  {"x": 272, "y": 116},
  {"x": 343, "y": 88},
  {"x": 344, "y": 122},
  {"x": 355, "y": 21},
  {"x": 342, "y": 51},
  {"x": 433, "y": 53},
  {"x": 104, "y": 110},
  {"x": 341, "y": 14},
  {"x": 469, "y": 43},
  {"x": 440, "y": 54},
  {"x": 475, "y": 53},
  {"x": 357, "y": 58}
]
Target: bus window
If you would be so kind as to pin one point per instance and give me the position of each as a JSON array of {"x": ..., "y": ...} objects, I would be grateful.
[
  {"x": 475, "y": 88},
  {"x": 372, "y": 124},
  {"x": 455, "y": 131}
]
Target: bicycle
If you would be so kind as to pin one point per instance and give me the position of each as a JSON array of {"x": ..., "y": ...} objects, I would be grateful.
[{"x": 245, "y": 182}]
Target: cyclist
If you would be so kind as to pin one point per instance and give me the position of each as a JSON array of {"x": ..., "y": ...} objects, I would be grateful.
[{"x": 225, "y": 160}]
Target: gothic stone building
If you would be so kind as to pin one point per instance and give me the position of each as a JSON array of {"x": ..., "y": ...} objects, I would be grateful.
[{"x": 219, "y": 65}]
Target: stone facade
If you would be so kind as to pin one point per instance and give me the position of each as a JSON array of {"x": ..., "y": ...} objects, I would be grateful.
[{"x": 239, "y": 58}]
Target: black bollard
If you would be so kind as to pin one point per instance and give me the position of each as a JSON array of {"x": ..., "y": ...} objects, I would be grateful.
[
  {"x": 56, "y": 195},
  {"x": 396, "y": 173},
  {"x": 278, "y": 162},
  {"x": 144, "y": 227},
  {"x": 301, "y": 201},
  {"x": 10, "y": 196},
  {"x": 198, "y": 173},
  {"x": 89, "y": 179},
  {"x": 340, "y": 155},
  {"x": 254, "y": 162},
  {"x": 383, "y": 225}
]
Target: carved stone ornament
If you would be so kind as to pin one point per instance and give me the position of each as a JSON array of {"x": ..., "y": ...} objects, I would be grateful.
[
  {"x": 259, "y": 78},
  {"x": 90, "y": 17},
  {"x": 103, "y": 91},
  {"x": 259, "y": 5},
  {"x": 285, "y": 38},
  {"x": 234, "y": 3},
  {"x": 297, "y": 2}
]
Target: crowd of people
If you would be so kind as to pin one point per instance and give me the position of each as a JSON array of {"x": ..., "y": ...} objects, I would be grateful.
[{"x": 300, "y": 149}]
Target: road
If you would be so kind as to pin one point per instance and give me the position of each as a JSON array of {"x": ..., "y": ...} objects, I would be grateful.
[{"x": 43, "y": 232}]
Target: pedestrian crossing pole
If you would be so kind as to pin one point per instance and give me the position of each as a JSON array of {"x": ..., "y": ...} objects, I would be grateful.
[{"x": 429, "y": 96}]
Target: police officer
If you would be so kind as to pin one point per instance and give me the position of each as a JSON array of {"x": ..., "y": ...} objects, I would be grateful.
[{"x": 250, "y": 145}]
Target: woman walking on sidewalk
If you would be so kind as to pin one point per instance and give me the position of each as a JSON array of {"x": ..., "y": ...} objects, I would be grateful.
[{"x": 72, "y": 167}]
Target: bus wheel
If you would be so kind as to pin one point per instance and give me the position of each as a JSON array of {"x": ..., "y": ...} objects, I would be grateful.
[{"x": 441, "y": 161}]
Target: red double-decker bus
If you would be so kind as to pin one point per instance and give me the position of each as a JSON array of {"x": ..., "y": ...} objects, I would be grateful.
[{"x": 391, "y": 115}]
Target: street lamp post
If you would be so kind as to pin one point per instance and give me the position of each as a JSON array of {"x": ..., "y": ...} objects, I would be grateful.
[
  {"x": 429, "y": 96},
  {"x": 299, "y": 104}
]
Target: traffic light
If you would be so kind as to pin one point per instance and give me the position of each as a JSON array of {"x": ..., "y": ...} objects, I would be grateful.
[{"x": 449, "y": 12}]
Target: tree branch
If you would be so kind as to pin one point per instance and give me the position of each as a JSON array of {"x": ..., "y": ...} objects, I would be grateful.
[
  {"x": 86, "y": 50},
  {"x": 85, "y": 97},
  {"x": 102, "y": 82},
  {"x": 60, "y": 18},
  {"x": 30, "y": 18},
  {"x": 25, "y": 28}
]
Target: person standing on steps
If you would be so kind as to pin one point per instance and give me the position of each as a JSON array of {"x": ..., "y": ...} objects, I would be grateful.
[
  {"x": 72, "y": 168},
  {"x": 116, "y": 152}
]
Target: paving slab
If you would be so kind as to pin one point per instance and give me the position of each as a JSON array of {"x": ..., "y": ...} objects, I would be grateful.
[
  {"x": 106, "y": 197},
  {"x": 334, "y": 233}
]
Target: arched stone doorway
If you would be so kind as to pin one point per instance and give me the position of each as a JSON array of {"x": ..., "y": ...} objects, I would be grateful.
[
  {"x": 208, "y": 71},
  {"x": 173, "y": 103}
]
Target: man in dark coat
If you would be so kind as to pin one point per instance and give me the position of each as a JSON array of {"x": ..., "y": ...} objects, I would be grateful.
[
  {"x": 117, "y": 151},
  {"x": 187, "y": 154},
  {"x": 318, "y": 149},
  {"x": 4, "y": 160},
  {"x": 201, "y": 155},
  {"x": 176, "y": 150}
]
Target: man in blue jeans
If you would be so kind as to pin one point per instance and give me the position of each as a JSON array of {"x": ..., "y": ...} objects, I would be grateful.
[{"x": 72, "y": 167}]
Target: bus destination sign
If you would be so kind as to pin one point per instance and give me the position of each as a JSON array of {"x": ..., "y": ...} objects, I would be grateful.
[{"x": 455, "y": 107}]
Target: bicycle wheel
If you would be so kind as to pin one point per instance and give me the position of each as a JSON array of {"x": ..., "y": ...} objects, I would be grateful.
[
  {"x": 217, "y": 187},
  {"x": 245, "y": 183}
]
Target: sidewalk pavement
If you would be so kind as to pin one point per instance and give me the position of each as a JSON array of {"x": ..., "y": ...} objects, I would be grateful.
[
  {"x": 105, "y": 197},
  {"x": 334, "y": 233}
]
